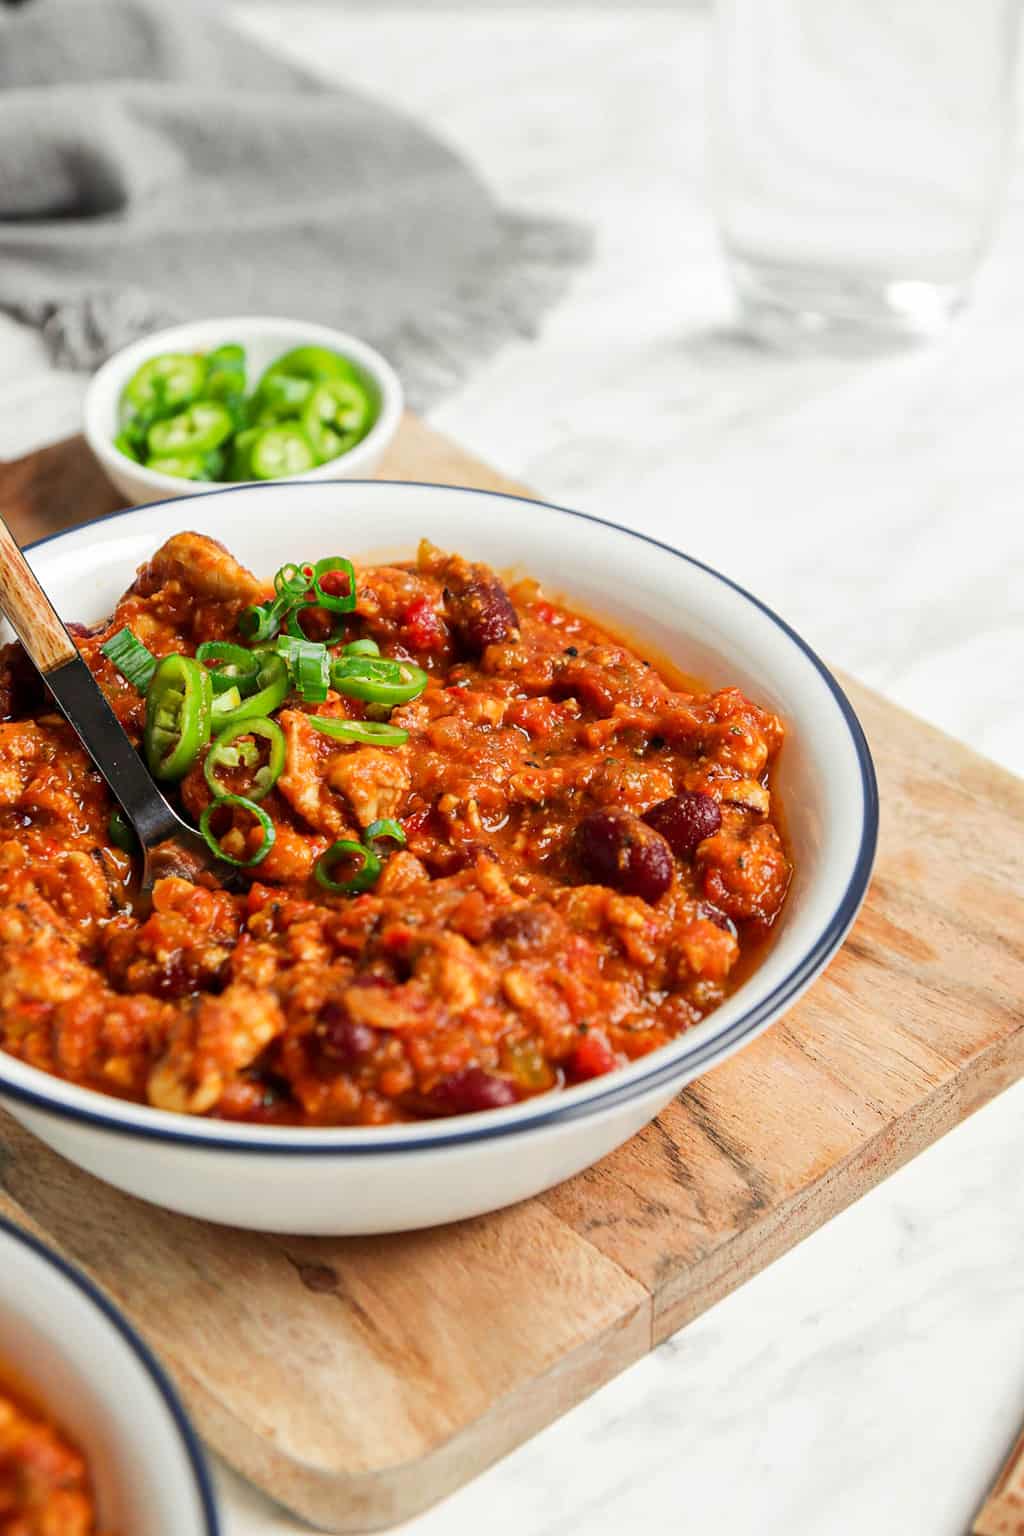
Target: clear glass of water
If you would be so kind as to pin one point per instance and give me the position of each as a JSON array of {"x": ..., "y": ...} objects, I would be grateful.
[{"x": 860, "y": 153}]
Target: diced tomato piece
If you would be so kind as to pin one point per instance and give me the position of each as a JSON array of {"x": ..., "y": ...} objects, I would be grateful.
[
  {"x": 593, "y": 1057},
  {"x": 537, "y": 717},
  {"x": 425, "y": 629},
  {"x": 261, "y": 896}
]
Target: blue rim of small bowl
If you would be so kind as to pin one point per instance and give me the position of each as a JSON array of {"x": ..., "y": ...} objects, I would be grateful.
[
  {"x": 561, "y": 1107},
  {"x": 157, "y": 1375}
]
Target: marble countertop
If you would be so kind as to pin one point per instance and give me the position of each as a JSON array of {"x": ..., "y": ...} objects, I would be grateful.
[{"x": 873, "y": 1379}]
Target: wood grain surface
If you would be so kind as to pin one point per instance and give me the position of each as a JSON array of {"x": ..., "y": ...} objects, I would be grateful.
[
  {"x": 1002, "y": 1514},
  {"x": 358, "y": 1380}
]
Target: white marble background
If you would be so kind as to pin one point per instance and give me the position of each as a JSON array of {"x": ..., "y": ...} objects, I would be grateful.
[{"x": 873, "y": 1379}]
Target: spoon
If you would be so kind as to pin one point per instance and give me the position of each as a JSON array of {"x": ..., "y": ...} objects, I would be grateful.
[{"x": 169, "y": 845}]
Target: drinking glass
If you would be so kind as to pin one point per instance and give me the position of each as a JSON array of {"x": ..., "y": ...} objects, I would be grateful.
[{"x": 860, "y": 157}]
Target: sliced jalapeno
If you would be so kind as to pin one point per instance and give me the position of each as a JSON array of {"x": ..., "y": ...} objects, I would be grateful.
[
  {"x": 179, "y": 708},
  {"x": 162, "y": 386},
  {"x": 225, "y": 380},
  {"x": 280, "y": 451},
  {"x": 240, "y": 464},
  {"x": 373, "y": 732},
  {"x": 376, "y": 680},
  {"x": 338, "y": 413},
  {"x": 279, "y": 396},
  {"x": 190, "y": 466},
  {"x": 311, "y": 363},
  {"x": 199, "y": 429},
  {"x": 365, "y": 647},
  {"x": 271, "y": 693},
  {"x": 237, "y": 747}
]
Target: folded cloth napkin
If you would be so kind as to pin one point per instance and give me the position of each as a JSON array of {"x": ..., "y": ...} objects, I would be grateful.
[{"x": 157, "y": 165}]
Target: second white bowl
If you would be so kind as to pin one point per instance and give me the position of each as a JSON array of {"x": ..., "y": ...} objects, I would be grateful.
[
  {"x": 70, "y": 1347},
  {"x": 265, "y": 339}
]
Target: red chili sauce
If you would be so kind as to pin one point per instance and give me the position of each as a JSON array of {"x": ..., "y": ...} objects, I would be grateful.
[{"x": 592, "y": 858}]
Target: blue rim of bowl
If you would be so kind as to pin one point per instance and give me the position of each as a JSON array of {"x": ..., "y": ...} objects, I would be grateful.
[
  {"x": 157, "y": 1375},
  {"x": 562, "y": 1107}
]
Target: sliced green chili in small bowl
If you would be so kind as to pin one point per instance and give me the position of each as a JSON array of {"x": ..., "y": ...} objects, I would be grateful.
[{"x": 198, "y": 416}]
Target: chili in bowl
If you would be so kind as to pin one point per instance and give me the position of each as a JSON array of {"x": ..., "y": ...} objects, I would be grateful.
[
  {"x": 514, "y": 879},
  {"x": 93, "y": 1438}
]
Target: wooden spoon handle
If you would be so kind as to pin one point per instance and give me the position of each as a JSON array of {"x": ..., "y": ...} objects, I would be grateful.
[{"x": 28, "y": 609}]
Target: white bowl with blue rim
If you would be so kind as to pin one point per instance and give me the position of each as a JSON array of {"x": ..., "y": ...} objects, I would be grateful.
[
  {"x": 396, "y": 1177},
  {"x": 67, "y": 1345},
  {"x": 265, "y": 339}
]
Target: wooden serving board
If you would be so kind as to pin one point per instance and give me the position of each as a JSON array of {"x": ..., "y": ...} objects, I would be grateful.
[{"x": 358, "y": 1380}]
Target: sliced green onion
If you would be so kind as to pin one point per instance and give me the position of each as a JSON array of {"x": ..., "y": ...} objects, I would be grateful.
[
  {"x": 132, "y": 659},
  {"x": 229, "y": 665},
  {"x": 237, "y": 748},
  {"x": 241, "y": 803},
  {"x": 374, "y": 732},
  {"x": 295, "y": 629},
  {"x": 384, "y": 828},
  {"x": 259, "y": 622},
  {"x": 366, "y": 875},
  {"x": 271, "y": 694},
  {"x": 309, "y": 664},
  {"x": 365, "y": 647},
  {"x": 326, "y": 597},
  {"x": 121, "y": 832},
  {"x": 377, "y": 681},
  {"x": 293, "y": 581}
]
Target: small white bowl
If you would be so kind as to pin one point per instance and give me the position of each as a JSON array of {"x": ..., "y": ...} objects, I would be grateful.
[
  {"x": 71, "y": 1348},
  {"x": 264, "y": 339},
  {"x": 397, "y": 1177}
]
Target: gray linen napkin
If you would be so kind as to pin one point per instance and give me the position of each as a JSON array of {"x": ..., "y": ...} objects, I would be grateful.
[{"x": 156, "y": 165}]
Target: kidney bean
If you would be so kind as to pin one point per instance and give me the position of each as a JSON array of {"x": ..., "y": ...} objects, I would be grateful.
[
  {"x": 348, "y": 1040},
  {"x": 481, "y": 612},
  {"x": 616, "y": 848},
  {"x": 684, "y": 820},
  {"x": 470, "y": 1090}
]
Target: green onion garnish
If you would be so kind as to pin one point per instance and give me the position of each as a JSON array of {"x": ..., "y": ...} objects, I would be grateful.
[
  {"x": 229, "y": 666},
  {"x": 329, "y": 576},
  {"x": 259, "y": 622},
  {"x": 238, "y": 802},
  {"x": 373, "y": 732},
  {"x": 384, "y": 828},
  {"x": 132, "y": 659},
  {"x": 309, "y": 664},
  {"x": 366, "y": 875},
  {"x": 292, "y": 582},
  {"x": 365, "y": 647},
  {"x": 293, "y": 624}
]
